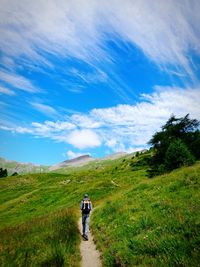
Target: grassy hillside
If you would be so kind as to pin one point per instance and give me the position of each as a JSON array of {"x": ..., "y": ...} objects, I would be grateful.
[
  {"x": 153, "y": 223},
  {"x": 137, "y": 221}
]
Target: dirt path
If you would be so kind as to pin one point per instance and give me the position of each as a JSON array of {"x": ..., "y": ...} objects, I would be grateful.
[{"x": 90, "y": 256}]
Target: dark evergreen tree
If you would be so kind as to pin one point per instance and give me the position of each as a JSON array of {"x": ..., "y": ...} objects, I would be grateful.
[
  {"x": 184, "y": 129},
  {"x": 195, "y": 144},
  {"x": 3, "y": 173}
]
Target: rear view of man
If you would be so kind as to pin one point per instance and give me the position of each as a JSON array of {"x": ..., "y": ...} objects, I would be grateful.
[{"x": 86, "y": 207}]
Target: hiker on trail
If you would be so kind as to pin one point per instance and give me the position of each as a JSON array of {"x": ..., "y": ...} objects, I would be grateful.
[{"x": 86, "y": 207}]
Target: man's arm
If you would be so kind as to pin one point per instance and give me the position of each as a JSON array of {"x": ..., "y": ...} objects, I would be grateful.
[{"x": 81, "y": 205}]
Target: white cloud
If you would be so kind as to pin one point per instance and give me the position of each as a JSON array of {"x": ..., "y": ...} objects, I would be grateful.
[
  {"x": 111, "y": 143},
  {"x": 41, "y": 129},
  {"x": 18, "y": 81},
  {"x": 135, "y": 149},
  {"x": 85, "y": 121},
  {"x": 71, "y": 155},
  {"x": 164, "y": 30},
  {"x": 123, "y": 127},
  {"x": 50, "y": 128},
  {"x": 6, "y": 91},
  {"x": 60, "y": 125},
  {"x": 17, "y": 129},
  {"x": 45, "y": 109},
  {"x": 23, "y": 130},
  {"x": 90, "y": 77},
  {"x": 84, "y": 139}
]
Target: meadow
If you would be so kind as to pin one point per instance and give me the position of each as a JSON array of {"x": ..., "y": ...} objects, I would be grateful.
[{"x": 137, "y": 221}]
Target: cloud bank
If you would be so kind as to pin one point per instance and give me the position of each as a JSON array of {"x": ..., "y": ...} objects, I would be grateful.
[{"x": 123, "y": 127}]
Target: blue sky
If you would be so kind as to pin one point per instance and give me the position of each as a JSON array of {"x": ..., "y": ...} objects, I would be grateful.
[{"x": 97, "y": 77}]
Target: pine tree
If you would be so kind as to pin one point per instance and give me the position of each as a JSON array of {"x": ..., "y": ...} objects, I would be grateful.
[{"x": 163, "y": 142}]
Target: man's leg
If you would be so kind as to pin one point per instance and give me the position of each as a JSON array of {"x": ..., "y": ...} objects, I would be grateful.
[
  {"x": 83, "y": 223},
  {"x": 87, "y": 224}
]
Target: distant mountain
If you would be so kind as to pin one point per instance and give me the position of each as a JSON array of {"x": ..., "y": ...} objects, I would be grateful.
[
  {"x": 21, "y": 168},
  {"x": 81, "y": 160},
  {"x": 84, "y": 159}
]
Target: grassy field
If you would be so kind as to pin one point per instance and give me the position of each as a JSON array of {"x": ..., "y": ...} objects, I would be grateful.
[{"x": 137, "y": 221}]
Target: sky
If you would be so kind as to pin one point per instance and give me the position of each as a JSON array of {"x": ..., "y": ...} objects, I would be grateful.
[{"x": 94, "y": 77}]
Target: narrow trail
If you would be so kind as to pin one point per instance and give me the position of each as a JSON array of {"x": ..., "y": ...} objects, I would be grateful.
[{"x": 90, "y": 256}]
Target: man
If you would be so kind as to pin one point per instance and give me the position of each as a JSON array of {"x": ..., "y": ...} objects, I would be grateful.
[{"x": 86, "y": 207}]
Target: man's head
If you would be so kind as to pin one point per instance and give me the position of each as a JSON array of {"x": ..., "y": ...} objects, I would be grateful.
[{"x": 86, "y": 196}]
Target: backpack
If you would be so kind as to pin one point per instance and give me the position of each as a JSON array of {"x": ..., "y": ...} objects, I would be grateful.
[{"x": 86, "y": 206}]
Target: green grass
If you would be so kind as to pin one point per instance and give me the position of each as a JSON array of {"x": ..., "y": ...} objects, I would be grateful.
[
  {"x": 51, "y": 240},
  {"x": 137, "y": 221},
  {"x": 154, "y": 223}
]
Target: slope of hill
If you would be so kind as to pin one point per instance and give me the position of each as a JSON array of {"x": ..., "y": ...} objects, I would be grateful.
[
  {"x": 85, "y": 160},
  {"x": 137, "y": 221},
  {"x": 21, "y": 168},
  {"x": 115, "y": 155},
  {"x": 155, "y": 222},
  {"x": 81, "y": 160}
]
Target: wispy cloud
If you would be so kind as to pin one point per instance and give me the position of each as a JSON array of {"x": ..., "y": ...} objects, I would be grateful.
[
  {"x": 122, "y": 127},
  {"x": 95, "y": 76},
  {"x": 18, "y": 129},
  {"x": 45, "y": 109},
  {"x": 17, "y": 81},
  {"x": 164, "y": 30},
  {"x": 6, "y": 91},
  {"x": 51, "y": 127}
]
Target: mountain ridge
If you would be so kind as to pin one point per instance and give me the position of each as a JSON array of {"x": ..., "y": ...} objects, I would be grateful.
[{"x": 21, "y": 167}]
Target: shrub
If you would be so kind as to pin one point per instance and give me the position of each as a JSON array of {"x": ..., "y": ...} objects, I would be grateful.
[
  {"x": 3, "y": 173},
  {"x": 14, "y": 174},
  {"x": 177, "y": 155}
]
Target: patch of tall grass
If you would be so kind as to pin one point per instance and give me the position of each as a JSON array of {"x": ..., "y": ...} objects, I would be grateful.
[{"x": 50, "y": 240}]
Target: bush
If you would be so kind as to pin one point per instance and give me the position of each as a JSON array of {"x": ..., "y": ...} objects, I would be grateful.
[
  {"x": 3, "y": 173},
  {"x": 137, "y": 154},
  {"x": 177, "y": 155},
  {"x": 14, "y": 174}
]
